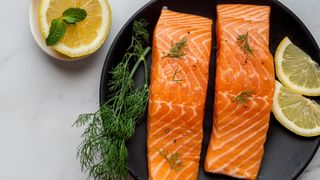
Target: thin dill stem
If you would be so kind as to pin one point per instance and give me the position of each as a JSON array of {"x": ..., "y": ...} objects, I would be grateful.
[
  {"x": 174, "y": 77},
  {"x": 145, "y": 73},
  {"x": 141, "y": 58}
]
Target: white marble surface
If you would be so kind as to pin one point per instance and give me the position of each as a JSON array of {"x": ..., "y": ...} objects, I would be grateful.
[{"x": 40, "y": 97}]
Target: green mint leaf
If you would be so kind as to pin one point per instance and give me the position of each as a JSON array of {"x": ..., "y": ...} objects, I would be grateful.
[
  {"x": 74, "y": 15},
  {"x": 57, "y": 30},
  {"x": 69, "y": 20}
]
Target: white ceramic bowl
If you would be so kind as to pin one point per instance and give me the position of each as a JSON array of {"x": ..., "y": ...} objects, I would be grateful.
[{"x": 34, "y": 26}]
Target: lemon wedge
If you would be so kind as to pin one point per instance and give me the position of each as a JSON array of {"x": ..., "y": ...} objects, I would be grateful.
[
  {"x": 296, "y": 69},
  {"x": 296, "y": 112}
]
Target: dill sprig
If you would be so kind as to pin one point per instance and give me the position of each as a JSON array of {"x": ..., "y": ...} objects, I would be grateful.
[
  {"x": 174, "y": 77},
  {"x": 173, "y": 159},
  {"x": 102, "y": 152},
  {"x": 177, "y": 50},
  {"x": 244, "y": 97},
  {"x": 244, "y": 43}
]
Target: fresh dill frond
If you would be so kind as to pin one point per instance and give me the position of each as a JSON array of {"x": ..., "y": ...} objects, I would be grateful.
[
  {"x": 244, "y": 97},
  {"x": 244, "y": 43},
  {"x": 102, "y": 152},
  {"x": 174, "y": 77},
  {"x": 177, "y": 49},
  {"x": 140, "y": 30},
  {"x": 173, "y": 159}
]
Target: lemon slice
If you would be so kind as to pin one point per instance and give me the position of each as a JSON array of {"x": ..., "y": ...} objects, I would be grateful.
[
  {"x": 297, "y": 113},
  {"x": 296, "y": 69},
  {"x": 86, "y": 36}
]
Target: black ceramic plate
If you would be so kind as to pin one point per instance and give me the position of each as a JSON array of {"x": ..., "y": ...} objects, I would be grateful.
[{"x": 286, "y": 155}]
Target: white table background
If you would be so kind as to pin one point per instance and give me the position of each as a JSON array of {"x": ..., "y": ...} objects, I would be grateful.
[{"x": 40, "y": 97}]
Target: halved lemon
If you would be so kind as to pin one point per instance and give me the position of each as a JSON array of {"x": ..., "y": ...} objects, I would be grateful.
[
  {"x": 84, "y": 37},
  {"x": 296, "y": 69},
  {"x": 296, "y": 112}
]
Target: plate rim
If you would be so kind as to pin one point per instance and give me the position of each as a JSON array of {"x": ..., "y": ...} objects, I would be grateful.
[{"x": 106, "y": 64}]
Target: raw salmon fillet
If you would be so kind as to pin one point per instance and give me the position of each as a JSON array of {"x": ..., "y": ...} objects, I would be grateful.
[
  {"x": 244, "y": 89},
  {"x": 177, "y": 96}
]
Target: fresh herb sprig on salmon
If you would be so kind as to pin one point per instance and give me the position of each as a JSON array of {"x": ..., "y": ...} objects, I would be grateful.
[{"x": 102, "y": 151}]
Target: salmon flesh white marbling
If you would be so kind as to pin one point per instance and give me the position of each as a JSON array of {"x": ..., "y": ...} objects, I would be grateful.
[
  {"x": 177, "y": 95},
  {"x": 244, "y": 87}
]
